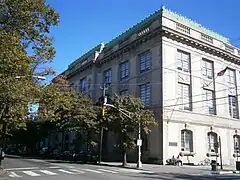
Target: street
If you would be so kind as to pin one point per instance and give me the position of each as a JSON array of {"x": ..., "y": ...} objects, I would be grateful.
[{"x": 30, "y": 169}]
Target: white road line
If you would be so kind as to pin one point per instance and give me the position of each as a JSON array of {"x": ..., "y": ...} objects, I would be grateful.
[
  {"x": 26, "y": 168},
  {"x": 48, "y": 172},
  {"x": 31, "y": 173},
  {"x": 13, "y": 174},
  {"x": 105, "y": 170},
  {"x": 90, "y": 170},
  {"x": 54, "y": 167},
  {"x": 78, "y": 171},
  {"x": 65, "y": 171}
]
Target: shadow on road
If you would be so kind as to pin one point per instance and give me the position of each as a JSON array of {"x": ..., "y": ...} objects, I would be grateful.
[{"x": 168, "y": 176}]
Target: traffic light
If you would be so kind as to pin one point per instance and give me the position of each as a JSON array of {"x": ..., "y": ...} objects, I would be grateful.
[{"x": 104, "y": 110}]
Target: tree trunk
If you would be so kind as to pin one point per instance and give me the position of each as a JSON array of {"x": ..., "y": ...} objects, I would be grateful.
[
  {"x": 124, "y": 163},
  {"x": 62, "y": 141}
]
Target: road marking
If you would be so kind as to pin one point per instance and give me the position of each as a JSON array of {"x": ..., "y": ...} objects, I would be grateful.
[
  {"x": 78, "y": 171},
  {"x": 48, "y": 172},
  {"x": 105, "y": 170},
  {"x": 26, "y": 168},
  {"x": 65, "y": 171},
  {"x": 90, "y": 170},
  {"x": 13, "y": 174},
  {"x": 31, "y": 173},
  {"x": 54, "y": 167}
]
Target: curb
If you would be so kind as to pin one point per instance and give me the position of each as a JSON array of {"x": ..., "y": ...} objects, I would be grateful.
[{"x": 222, "y": 172}]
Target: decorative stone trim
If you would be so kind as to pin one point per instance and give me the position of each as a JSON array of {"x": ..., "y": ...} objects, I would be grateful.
[
  {"x": 212, "y": 154},
  {"x": 187, "y": 153},
  {"x": 206, "y": 38},
  {"x": 229, "y": 48},
  {"x": 183, "y": 28}
]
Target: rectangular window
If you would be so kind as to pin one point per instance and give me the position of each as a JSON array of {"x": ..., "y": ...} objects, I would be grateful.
[
  {"x": 231, "y": 78},
  {"x": 123, "y": 92},
  {"x": 209, "y": 102},
  {"x": 124, "y": 71},
  {"x": 233, "y": 109},
  {"x": 145, "y": 94},
  {"x": 183, "y": 61},
  {"x": 184, "y": 97},
  {"x": 83, "y": 84},
  {"x": 145, "y": 59},
  {"x": 108, "y": 76},
  {"x": 187, "y": 140},
  {"x": 207, "y": 69}
]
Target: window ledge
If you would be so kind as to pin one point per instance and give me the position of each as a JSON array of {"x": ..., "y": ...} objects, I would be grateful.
[
  {"x": 187, "y": 153},
  {"x": 212, "y": 154}
]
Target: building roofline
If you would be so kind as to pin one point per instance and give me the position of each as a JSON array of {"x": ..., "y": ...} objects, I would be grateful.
[{"x": 163, "y": 12}]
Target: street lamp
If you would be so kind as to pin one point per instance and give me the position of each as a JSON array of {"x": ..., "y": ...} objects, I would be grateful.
[
  {"x": 139, "y": 141},
  {"x": 37, "y": 77}
]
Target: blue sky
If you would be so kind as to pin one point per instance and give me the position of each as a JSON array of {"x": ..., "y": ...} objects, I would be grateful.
[{"x": 85, "y": 23}]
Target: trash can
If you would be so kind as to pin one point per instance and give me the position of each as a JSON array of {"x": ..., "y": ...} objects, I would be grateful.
[
  {"x": 214, "y": 165},
  {"x": 238, "y": 165}
]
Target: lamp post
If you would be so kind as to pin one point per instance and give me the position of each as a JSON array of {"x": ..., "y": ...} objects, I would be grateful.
[
  {"x": 139, "y": 141},
  {"x": 37, "y": 77}
]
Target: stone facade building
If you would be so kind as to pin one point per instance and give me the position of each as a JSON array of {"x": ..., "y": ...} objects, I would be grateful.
[{"x": 188, "y": 75}]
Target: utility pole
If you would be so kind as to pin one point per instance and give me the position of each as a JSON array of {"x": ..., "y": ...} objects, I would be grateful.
[
  {"x": 139, "y": 144},
  {"x": 104, "y": 88}
]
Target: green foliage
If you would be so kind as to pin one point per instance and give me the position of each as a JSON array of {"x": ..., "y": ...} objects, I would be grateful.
[
  {"x": 125, "y": 118},
  {"x": 25, "y": 45}
]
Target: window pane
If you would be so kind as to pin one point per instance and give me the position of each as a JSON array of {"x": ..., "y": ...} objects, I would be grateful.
[
  {"x": 187, "y": 140},
  {"x": 145, "y": 61},
  {"x": 108, "y": 76},
  {"x": 208, "y": 101},
  {"x": 184, "y": 96},
  {"x": 207, "y": 69},
  {"x": 233, "y": 109},
  {"x": 145, "y": 94},
  {"x": 183, "y": 61},
  {"x": 124, "y": 70}
]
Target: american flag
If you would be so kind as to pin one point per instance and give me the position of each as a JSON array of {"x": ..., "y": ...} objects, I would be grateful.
[{"x": 222, "y": 72}]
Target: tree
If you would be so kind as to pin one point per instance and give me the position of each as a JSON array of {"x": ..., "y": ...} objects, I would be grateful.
[
  {"x": 70, "y": 110},
  {"x": 126, "y": 127},
  {"x": 25, "y": 45}
]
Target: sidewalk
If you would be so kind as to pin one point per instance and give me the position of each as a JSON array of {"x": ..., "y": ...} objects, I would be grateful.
[{"x": 185, "y": 169}]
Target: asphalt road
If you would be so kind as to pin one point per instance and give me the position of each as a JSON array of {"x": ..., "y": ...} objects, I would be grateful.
[{"x": 34, "y": 169}]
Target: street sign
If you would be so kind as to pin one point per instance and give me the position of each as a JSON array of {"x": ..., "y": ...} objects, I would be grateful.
[{"x": 139, "y": 142}]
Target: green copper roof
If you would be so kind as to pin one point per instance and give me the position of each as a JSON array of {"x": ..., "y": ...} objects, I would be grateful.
[
  {"x": 193, "y": 24},
  {"x": 86, "y": 55},
  {"x": 161, "y": 12},
  {"x": 134, "y": 28}
]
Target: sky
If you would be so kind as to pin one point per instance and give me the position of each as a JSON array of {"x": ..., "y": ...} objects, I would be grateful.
[{"x": 86, "y": 23}]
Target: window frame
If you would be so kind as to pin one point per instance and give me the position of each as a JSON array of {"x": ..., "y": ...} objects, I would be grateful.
[
  {"x": 124, "y": 73},
  {"x": 187, "y": 135},
  {"x": 211, "y": 146},
  {"x": 147, "y": 94},
  {"x": 231, "y": 108},
  {"x": 181, "y": 61},
  {"x": 206, "y": 101},
  {"x": 206, "y": 69},
  {"x": 236, "y": 136},
  {"x": 107, "y": 76},
  {"x": 183, "y": 98},
  {"x": 83, "y": 87},
  {"x": 145, "y": 64}
]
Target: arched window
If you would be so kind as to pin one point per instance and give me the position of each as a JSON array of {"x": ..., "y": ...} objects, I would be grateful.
[
  {"x": 236, "y": 139},
  {"x": 186, "y": 140},
  {"x": 212, "y": 142}
]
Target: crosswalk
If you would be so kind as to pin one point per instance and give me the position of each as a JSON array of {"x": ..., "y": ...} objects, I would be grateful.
[{"x": 67, "y": 171}]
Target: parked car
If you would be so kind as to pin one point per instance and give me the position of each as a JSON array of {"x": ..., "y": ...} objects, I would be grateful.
[{"x": 67, "y": 155}]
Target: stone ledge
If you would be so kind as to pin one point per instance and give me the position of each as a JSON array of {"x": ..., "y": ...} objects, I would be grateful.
[{"x": 222, "y": 172}]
